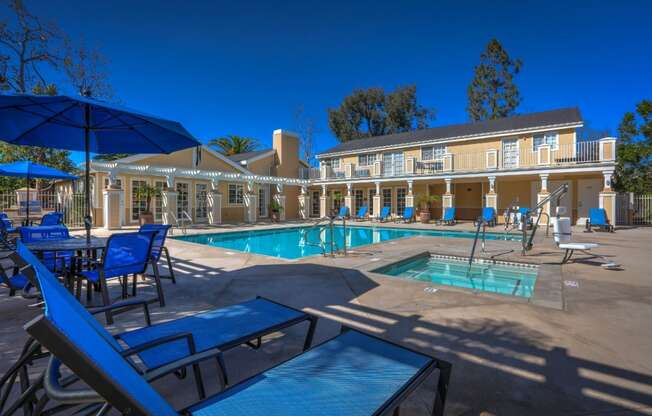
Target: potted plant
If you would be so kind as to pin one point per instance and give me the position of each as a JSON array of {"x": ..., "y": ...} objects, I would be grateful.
[
  {"x": 275, "y": 208},
  {"x": 424, "y": 201},
  {"x": 147, "y": 192}
]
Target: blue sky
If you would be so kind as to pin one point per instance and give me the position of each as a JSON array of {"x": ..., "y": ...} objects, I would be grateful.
[{"x": 244, "y": 67}]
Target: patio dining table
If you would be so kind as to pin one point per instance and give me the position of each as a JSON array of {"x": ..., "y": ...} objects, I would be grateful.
[{"x": 80, "y": 245}]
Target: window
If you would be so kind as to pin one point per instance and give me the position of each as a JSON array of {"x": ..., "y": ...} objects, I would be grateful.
[
  {"x": 393, "y": 164},
  {"x": 333, "y": 163},
  {"x": 433, "y": 152},
  {"x": 400, "y": 201},
  {"x": 183, "y": 199},
  {"x": 366, "y": 160},
  {"x": 316, "y": 198},
  {"x": 359, "y": 199},
  {"x": 372, "y": 193},
  {"x": 158, "y": 201},
  {"x": 118, "y": 183},
  {"x": 551, "y": 139},
  {"x": 201, "y": 201},
  {"x": 263, "y": 200},
  {"x": 337, "y": 200},
  {"x": 138, "y": 204},
  {"x": 236, "y": 194},
  {"x": 387, "y": 198}
]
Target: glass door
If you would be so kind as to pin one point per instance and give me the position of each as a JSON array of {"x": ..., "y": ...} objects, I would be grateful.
[
  {"x": 393, "y": 164},
  {"x": 510, "y": 153}
]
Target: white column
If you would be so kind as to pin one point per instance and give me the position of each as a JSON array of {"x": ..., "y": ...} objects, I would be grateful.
[
  {"x": 348, "y": 199},
  {"x": 323, "y": 202},
  {"x": 607, "y": 197},
  {"x": 448, "y": 199},
  {"x": 543, "y": 194},
  {"x": 304, "y": 204},
  {"x": 214, "y": 204},
  {"x": 409, "y": 199},
  {"x": 251, "y": 207},
  {"x": 114, "y": 208},
  {"x": 376, "y": 200},
  {"x": 491, "y": 199},
  {"x": 279, "y": 197}
]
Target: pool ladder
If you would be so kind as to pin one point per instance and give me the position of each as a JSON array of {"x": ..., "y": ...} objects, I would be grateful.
[{"x": 322, "y": 244}]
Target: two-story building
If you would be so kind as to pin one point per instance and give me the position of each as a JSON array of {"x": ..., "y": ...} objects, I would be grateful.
[{"x": 514, "y": 161}]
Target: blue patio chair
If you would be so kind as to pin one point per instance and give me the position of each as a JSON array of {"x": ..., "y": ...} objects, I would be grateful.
[
  {"x": 351, "y": 374},
  {"x": 384, "y": 214},
  {"x": 449, "y": 216},
  {"x": 15, "y": 282},
  {"x": 158, "y": 246},
  {"x": 408, "y": 215},
  {"x": 362, "y": 213},
  {"x": 598, "y": 218},
  {"x": 125, "y": 255},
  {"x": 55, "y": 261},
  {"x": 52, "y": 218},
  {"x": 6, "y": 230},
  {"x": 488, "y": 216},
  {"x": 344, "y": 212},
  {"x": 164, "y": 347}
]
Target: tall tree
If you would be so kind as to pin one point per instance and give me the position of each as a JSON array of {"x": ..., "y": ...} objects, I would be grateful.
[
  {"x": 492, "y": 93},
  {"x": 307, "y": 130},
  {"x": 634, "y": 152},
  {"x": 30, "y": 48},
  {"x": 233, "y": 144},
  {"x": 85, "y": 68},
  {"x": 27, "y": 47},
  {"x": 371, "y": 112}
]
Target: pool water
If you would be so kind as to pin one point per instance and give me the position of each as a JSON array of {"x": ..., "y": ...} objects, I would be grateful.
[
  {"x": 298, "y": 242},
  {"x": 512, "y": 279}
]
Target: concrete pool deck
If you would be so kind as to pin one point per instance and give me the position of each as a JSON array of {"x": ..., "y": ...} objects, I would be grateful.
[{"x": 589, "y": 354}]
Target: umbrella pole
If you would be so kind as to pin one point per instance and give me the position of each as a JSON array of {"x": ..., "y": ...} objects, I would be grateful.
[
  {"x": 87, "y": 181},
  {"x": 27, "y": 206}
]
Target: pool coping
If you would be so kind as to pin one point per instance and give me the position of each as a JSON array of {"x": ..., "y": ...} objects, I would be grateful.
[
  {"x": 547, "y": 291},
  {"x": 182, "y": 238}
]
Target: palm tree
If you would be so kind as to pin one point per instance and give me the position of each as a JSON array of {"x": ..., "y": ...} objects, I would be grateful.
[{"x": 232, "y": 144}]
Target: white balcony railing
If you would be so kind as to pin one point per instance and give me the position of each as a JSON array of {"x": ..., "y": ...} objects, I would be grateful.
[{"x": 582, "y": 152}]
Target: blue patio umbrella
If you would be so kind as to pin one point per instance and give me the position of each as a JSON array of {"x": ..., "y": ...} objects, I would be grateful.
[
  {"x": 30, "y": 170},
  {"x": 83, "y": 124}
]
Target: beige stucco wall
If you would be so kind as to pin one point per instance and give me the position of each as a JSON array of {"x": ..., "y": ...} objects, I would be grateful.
[{"x": 478, "y": 147}]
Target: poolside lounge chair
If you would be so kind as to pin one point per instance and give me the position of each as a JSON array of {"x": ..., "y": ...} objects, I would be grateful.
[
  {"x": 52, "y": 218},
  {"x": 408, "y": 215},
  {"x": 351, "y": 374},
  {"x": 449, "y": 216},
  {"x": 488, "y": 216},
  {"x": 524, "y": 211},
  {"x": 598, "y": 218},
  {"x": 344, "y": 212},
  {"x": 362, "y": 213},
  {"x": 384, "y": 214},
  {"x": 158, "y": 246},
  {"x": 184, "y": 341}
]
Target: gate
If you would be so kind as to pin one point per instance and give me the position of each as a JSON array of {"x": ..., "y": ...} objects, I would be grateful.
[{"x": 632, "y": 209}]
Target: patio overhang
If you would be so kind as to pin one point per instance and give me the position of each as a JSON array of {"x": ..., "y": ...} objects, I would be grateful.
[{"x": 114, "y": 168}]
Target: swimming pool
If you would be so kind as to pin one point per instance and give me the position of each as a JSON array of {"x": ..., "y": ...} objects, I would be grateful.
[
  {"x": 298, "y": 242},
  {"x": 514, "y": 279}
]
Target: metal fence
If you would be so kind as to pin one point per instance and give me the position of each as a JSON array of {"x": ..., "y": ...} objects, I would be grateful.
[
  {"x": 632, "y": 209},
  {"x": 71, "y": 205}
]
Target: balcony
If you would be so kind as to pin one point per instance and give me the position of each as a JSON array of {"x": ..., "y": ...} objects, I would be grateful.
[{"x": 545, "y": 156}]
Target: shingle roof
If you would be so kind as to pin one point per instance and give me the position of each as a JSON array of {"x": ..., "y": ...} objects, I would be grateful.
[
  {"x": 519, "y": 122},
  {"x": 248, "y": 155}
]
